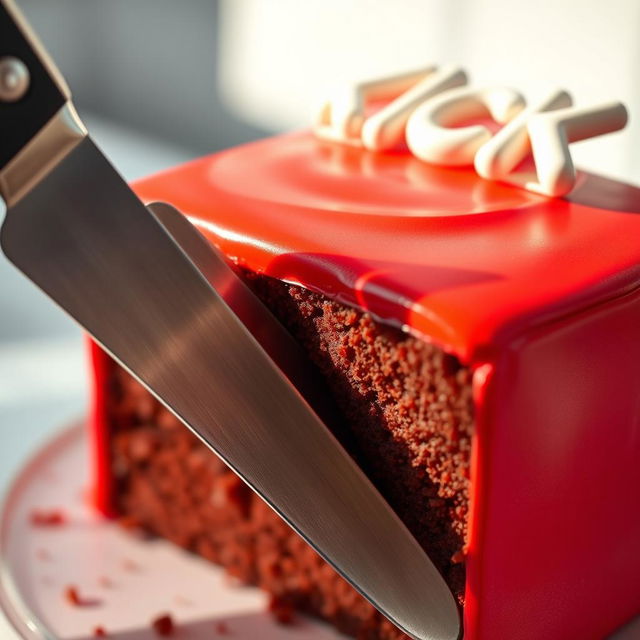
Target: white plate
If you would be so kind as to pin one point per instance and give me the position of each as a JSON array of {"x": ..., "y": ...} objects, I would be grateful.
[{"x": 144, "y": 578}]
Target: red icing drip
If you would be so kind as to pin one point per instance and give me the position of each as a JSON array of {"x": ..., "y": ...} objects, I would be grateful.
[{"x": 99, "y": 442}]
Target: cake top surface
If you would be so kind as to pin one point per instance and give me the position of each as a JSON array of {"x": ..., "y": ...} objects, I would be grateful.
[{"x": 467, "y": 263}]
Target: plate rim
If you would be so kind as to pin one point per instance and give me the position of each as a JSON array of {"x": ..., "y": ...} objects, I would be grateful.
[{"x": 16, "y": 610}]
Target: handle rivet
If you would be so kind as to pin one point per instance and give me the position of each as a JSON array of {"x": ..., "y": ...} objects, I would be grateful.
[{"x": 14, "y": 79}]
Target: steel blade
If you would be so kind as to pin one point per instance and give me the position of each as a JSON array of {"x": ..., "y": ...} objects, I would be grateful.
[{"x": 287, "y": 354}]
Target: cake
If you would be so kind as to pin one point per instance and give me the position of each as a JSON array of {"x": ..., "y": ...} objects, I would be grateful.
[{"x": 481, "y": 344}]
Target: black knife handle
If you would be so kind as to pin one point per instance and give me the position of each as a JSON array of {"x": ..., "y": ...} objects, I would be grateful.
[{"x": 21, "y": 119}]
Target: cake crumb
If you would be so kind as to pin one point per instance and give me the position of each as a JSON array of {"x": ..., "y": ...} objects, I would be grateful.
[
  {"x": 128, "y": 522},
  {"x": 43, "y": 555},
  {"x": 222, "y": 628},
  {"x": 163, "y": 625},
  {"x": 130, "y": 565},
  {"x": 105, "y": 582},
  {"x": 99, "y": 632},
  {"x": 73, "y": 597},
  {"x": 47, "y": 518},
  {"x": 281, "y": 610},
  {"x": 458, "y": 557}
]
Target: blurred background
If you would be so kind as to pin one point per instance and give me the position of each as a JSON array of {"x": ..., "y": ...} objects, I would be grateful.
[{"x": 159, "y": 82}]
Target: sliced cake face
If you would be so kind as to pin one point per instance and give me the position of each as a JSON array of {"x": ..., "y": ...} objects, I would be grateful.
[
  {"x": 406, "y": 416},
  {"x": 482, "y": 343}
]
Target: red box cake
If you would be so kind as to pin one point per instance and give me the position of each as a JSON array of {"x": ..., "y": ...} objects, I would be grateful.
[{"x": 481, "y": 342}]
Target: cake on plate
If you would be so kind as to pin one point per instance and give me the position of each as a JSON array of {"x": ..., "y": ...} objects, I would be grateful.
[{"x": 480, "y": 341}]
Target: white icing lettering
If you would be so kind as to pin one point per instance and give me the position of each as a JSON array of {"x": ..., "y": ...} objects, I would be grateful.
[
  {"x": 385, "y": 129},
  {"x": 431, "y": 135},
  {"x": 426, "y": 106},
  {"x": 341, "y": 118}
]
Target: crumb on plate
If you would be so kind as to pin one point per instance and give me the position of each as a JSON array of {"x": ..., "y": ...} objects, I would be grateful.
[
  {"x": 47, "y": 518},
  {"x": 163, "y": 625},
  {"x": 222, "y": 628},
  {"x": 73, "y": 597},
  {"x": 281, "y": 610}
]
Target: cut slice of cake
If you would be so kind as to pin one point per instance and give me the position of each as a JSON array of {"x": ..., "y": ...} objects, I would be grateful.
[
  {"x": 409, "y": 416},
  {"x": 481, "y": 343}
]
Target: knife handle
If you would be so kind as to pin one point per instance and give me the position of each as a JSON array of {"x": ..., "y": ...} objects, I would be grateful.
[{"x": 24, "y": 63}]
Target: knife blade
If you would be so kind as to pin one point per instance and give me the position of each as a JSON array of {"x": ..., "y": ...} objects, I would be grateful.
[
  {"x": 76, "y": 229},
  {"x": 286, "y": 353}
]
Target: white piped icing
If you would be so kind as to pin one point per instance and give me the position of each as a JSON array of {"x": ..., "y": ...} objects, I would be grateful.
[
  {"x": 432, "y": 137},
  {"x": 425, "y": 105},
  {"x": 385, "y": 128},
  {"x": 341, "y": 118},
  {"x": 550, "y": 134},
  {"x": 497, "y": 158}
]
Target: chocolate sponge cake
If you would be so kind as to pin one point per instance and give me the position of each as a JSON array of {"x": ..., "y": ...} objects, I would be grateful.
[
  {"x": 481, "y": 345},
  {"x": 409, "y": 413}
]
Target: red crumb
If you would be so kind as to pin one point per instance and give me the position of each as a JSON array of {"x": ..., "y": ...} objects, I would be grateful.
[
  {"x": 43, "y": 554},
  {"x": 282, "y": 611},
  {"x": 181, "y": 600},
  {"x": 458, "y": 557},
  {"x": 129, "y": 522},
  {"x": 74, "y": 598},
  {"x": 99, "y": 632},
  {"x": 222, "y": 628},
  {"x": 105, "y": 582},
  {"x": 163, "y": 625},
  {"x": 130, "y": 565},
  {"x": 50, "y": 518}
]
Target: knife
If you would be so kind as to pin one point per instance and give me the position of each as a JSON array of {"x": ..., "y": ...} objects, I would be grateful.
[
  {"x": 286, "y": 353},
  {"x": 76, "y": 229}
]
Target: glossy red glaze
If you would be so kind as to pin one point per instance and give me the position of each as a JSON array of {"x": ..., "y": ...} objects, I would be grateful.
[
  {"x": 102, "y": 487},
  {"x": 458, "y": 259},
  {"x": 540, "y": 296}
]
